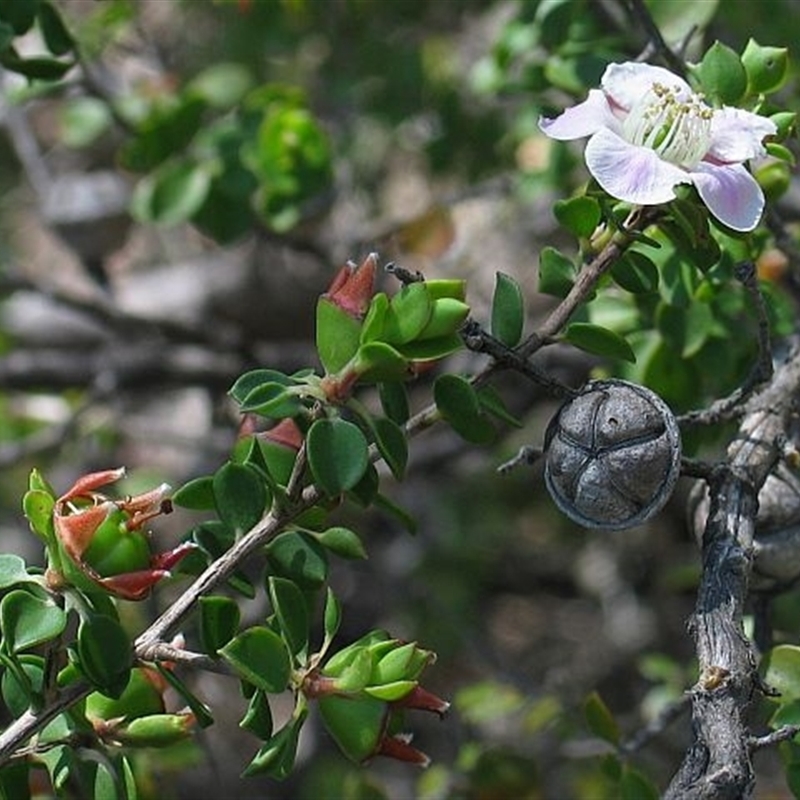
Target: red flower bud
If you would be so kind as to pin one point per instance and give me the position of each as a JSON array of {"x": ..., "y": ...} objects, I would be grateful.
[
  {"x": 353, "y": 286},
  {"x": 104, "y": 540}
]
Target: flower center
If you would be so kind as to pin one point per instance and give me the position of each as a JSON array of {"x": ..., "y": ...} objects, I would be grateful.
[{"x": 677, "y": 128}]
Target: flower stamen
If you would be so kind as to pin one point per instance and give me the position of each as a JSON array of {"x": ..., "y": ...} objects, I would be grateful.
[{"x": 677, "y": 127}]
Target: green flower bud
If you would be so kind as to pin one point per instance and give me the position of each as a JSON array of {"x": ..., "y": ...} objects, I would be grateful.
[
  {"x": 155, "y": 730},
  {"x": 766, "y": 67}
]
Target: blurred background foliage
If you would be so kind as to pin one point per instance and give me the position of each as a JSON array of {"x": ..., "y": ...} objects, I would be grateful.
[{"x": 310, "y": 131}]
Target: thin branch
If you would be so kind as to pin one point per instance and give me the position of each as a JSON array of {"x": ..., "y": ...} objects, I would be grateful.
[{"x": 641, "y": 14}]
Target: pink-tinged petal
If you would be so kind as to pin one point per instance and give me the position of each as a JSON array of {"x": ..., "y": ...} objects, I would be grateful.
[
  {"x": 630, "y": 173},
  {"x": 168, "y": 559},
  {"x": 731, "y": 194},
  {"x": 581, "y": 120},
  {"x": 75, "y": 531},
  {"x": 86, "y": 484},
  {"x": 133, "y": 585},
  {"x": 738, "y": 135},
  {"x": 626, "y": 84}
]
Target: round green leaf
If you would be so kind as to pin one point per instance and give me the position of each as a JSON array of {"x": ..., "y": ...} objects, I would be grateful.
[
  {"x": 13, "y": 570},
  {"x": 219, "y": 621},
  {"x": 299, "y": 557},
  {"x": 55, "y": 33},
  {"x": 781, "y": 671},
  {"x": 240, "y": 495},
  {"x": 600, "y": 341},
  {"x": 508, "y": 310},
  {"x": 458, "y": 403},
  {"x": 222, "y": 85},
  {"x": 28, "y": 621},
  {"x": 273, "y": 400},
  {"x": 722, "y": 74},
  {"x": 259, "y": 656},
  {"x": 766, "y": 67},
  {"x": 337, "y": 335},
  {"x": 392, "y": 445},
  {"x": 250, "y": 381},
  {"x": 408, "y": 314},
  {"x": 338, "y": 454},
  {"x": 291, "y": 611},
  {"x": 343, "y": 542},
  {"x": 378, "y": 361},
  {"x": 579, "y": 215},
  {"x": 197, "y": 494},
  {"x": 556, "y": 272},
  {"x": 394, "y": 401},
  {"x": 171, "y": 194},
  {"x": 105, "y": 654},
  {"x": 635, "y": 273},
  {"x": 258, "y": 717}
]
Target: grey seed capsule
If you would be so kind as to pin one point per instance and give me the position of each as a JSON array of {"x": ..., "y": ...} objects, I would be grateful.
[{"x": 613, "y": 455}]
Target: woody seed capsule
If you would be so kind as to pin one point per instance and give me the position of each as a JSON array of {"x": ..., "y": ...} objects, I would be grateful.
[{"x": 612, "y": 455}]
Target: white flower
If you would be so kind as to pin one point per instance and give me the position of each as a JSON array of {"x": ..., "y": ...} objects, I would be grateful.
[{"x": 650, "y": 132}]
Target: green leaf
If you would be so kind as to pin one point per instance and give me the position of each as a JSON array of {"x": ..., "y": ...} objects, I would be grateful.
[
  {"x": 394, "y": 401},
  {"x": 38, "y": 505},
  {"x": 343, "y": 542},
  {"x": 579, "y": 215},
  {"x": 378, "y": 361},
  {"x": 172, "y": 194},
  {"x": 13, "y": 571},
  {"x": 219, "y": 621},
  {"x": 390, "y": 692},
  {"x": 276, "y": 756},
  {"x": 249, "y": 381},
  {"x": 291, "y": 611},
  {"x": 780, "y": 669},
  {"x": 105, "y": 654},
  {"x": 332, "y": 617},
  {"x": 39, "y": 68},
  {"x": 766, "y": 67},
  {"x": 28, "y": 621},
  {"x": 599, "y": 719},
  {"x": 259, "y": 656},
  {"x": 19, "y": 14},
  {"x": 635, "y": 273},
  {"x": 200, "y": 710},
  {"x": 408, "y": 314},
  {"x": 240, "y": 495},
  {"x": 197, "y": 494},
  {"x": 222, "y": 85},
  {"x": 273, "y": 400},
  {"x": 22, "y": 682},
  {"x": 299, "y": 557},
  {"x": 600, "y": 341},
  {"x": 556, "y": 272},
  {"x": 338, "y": 455},
  {"x": 56, "y": 36},
  {"x": 635, "y": 786},
  {"x": 458, "y": 403},
  {"x": 82, "y": 120},
  {"x": 392, "y": 445},
  {"x": 722, "y": 74},
  {"x": 431, "y": 349},
  {"x": 491, "y": 401},
  {"x": 793, "y": 777},
  {"x": 258, "y": 717},
  {"x": 337, "y": 335},
  {"x": 508, "y": 310}
]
